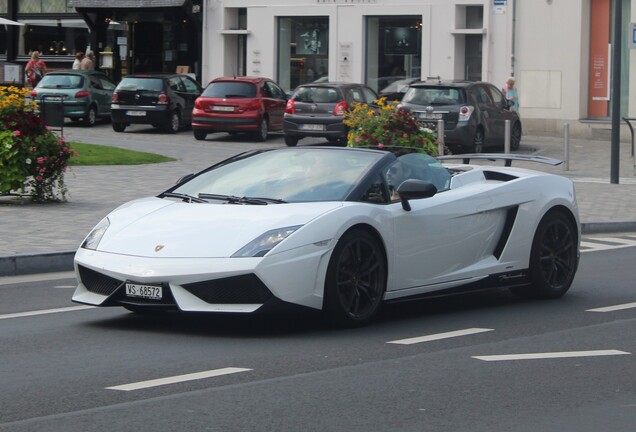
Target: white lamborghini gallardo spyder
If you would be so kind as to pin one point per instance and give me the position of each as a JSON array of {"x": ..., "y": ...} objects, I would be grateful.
[{"x": 341, "y": 230}]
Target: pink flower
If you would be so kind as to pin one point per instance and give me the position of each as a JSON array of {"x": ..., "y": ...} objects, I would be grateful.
[
  {"x": 40, "y": 160},
  {"x": 405, "y": 135},
  {"x": 357, "y": 139},
  {"x": 380, "y": 146},
  {"x": 17, "y": 133},
  {"x": 39, "y": 178}
]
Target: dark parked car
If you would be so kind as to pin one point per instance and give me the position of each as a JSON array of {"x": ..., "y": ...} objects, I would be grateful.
[
  {"x": 474, "y": 113},
  {"x": 317, "y": 110},
  {"x": 85, "y": 95},
  {"x": 239, "y": 104},
  {"x": 162, "y": 100}
]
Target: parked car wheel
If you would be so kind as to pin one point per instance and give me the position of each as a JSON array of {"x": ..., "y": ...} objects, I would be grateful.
[
  {"x": 173, "y": 124},
  {"x": 91, "y": 116},
  {"x": 119, "y": 127},
  {"x": 291, "y": 141},
  {"x": 515, "y": 137},
  {"x": 356, "y": 280},
  {"x": 263, "y": 130},
  {"x": 199, "y": 135},
  {"x": 478, "y": 141}
]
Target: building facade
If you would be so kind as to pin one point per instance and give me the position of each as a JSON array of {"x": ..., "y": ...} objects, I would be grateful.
[{"x": 559, "y": 51}]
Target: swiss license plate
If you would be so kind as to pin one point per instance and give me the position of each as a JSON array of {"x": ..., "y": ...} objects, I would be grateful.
[
  {"x": 223, "y": 108},
  {"x": 317, "y": 127},
  {"x": 136, "y": 113},
  {"x": 153, "y": 292},
  {"x": 52, "y": 99},
  {"x": 429, "y": 116}
]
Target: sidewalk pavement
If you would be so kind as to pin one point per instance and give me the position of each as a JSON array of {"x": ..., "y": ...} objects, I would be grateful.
[{"x": 38, "y": 238}]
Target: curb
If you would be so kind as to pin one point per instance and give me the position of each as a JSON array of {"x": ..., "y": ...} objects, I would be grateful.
[{"x": 62, "y": 261}]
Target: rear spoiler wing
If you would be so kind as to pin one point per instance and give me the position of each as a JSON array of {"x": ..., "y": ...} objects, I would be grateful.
[{"x": 507, "y": 158}]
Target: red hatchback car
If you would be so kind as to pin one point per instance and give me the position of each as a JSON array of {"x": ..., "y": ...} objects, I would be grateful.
[{"x": 239, "y": 104}]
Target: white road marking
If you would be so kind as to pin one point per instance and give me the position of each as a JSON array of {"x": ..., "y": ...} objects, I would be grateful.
[
  {"x": 604, "y": 243},
  {"x": 439, "y": 336},
  {"x": 177, "y": 379},
  {"x": 536, "y": 356},
  {"x": 44, "y": 312},
  {"x": 613, "y": 308}
]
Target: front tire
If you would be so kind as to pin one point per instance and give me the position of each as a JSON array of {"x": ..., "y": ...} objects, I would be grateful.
[
  {"x": 478, "y": 141},
  {"x": 515, "y": 137},
  {"x": 553, "y": 258},
  {"x": 356, "y": 280}
]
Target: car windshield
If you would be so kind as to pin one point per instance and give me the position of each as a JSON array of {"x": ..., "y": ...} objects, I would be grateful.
[
  {"x": 134, "y": 84},
  {"x": 62, "y": 81},
  {"x": 290, "y": 175},
  {"x": 317, "y": 94},
  {"x": 225, "y": 89},
  {"x": 434, "y": 96}
]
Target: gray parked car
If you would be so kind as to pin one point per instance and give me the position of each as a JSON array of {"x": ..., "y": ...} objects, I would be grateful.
[
  {"x": 474, "y": 113},
  {"x": 317, "y": 110}
]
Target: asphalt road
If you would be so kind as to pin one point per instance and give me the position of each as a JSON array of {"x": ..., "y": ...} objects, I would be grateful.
[{"x": 90, "y": 369}]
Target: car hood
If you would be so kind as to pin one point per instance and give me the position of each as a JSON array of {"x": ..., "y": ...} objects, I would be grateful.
[{"x": 163, "y": 228}]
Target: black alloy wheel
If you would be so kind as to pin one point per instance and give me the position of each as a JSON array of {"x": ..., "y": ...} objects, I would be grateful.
[
  {"x": 553, "y": 258},
  {"x": 356, "y": 280}
]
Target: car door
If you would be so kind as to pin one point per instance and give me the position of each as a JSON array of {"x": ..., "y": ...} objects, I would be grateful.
[
  {"x": 190, "y": 91},
  {"x": 107, "y": 86},
  {"x": 501, "y": 112},
  {"x": 275, "y": 104},
  {"x": 489, "y": 115},
  {"x": 441, "y": 238}
]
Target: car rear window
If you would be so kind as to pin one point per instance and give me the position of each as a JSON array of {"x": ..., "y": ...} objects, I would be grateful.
[
  {"x": 141, "y": 84},
  {"x": 317, "y": 95},
  {"x": 62, "y": 81},
  {"x": 224, "y": 89},
  {"x": 435, "y": 96}
]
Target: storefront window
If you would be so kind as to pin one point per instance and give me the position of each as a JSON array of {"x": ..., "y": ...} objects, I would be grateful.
[
  {"x": 60, "y": 37},
  {"x": 394, "y": 52},
  {"x": 303, "y": 50},
  {"x": 44, "y": 6}
]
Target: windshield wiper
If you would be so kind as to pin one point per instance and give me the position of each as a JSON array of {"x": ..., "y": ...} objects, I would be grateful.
[
  {"x": 184, "y": 197},
  {"x": 241, "y": 200}
]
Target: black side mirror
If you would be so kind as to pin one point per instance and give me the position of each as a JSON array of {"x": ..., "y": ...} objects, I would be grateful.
[{"x": 415, "y": 189}]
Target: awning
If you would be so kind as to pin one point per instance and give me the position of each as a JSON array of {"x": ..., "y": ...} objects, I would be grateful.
[{"x": 122, "y": 4}]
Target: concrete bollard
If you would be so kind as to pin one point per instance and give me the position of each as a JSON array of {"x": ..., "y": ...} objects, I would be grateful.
[
  {"x": 440, "y": 137},
  {"x": 507, "y": 138}
]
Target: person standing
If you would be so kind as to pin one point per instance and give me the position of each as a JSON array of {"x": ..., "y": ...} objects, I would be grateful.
[
  {"x": 87, "y": 61},
  {"x": 510, "y": 92},
  {"x": 79, "y": 56},
  {"x": 35, "y": 69}
]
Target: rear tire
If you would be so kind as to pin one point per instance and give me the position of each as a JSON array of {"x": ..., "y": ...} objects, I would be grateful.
[
  {"x": 118, "y": 127},
  {"x": 199, "y": 135},
  {"x": 553, "y": 258},
  {"x": 91, "y": 117},
  {"x": 173, "y": 123},
  {"x": 291, "y": 141},
  {"x": 355, "y": 281},
  {"x": 263, "y": 131}
]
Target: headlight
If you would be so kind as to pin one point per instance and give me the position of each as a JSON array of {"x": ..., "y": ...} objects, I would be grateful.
[
  {"x": 265, "y": 242},
  {"x": 95, "y": 236}
]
